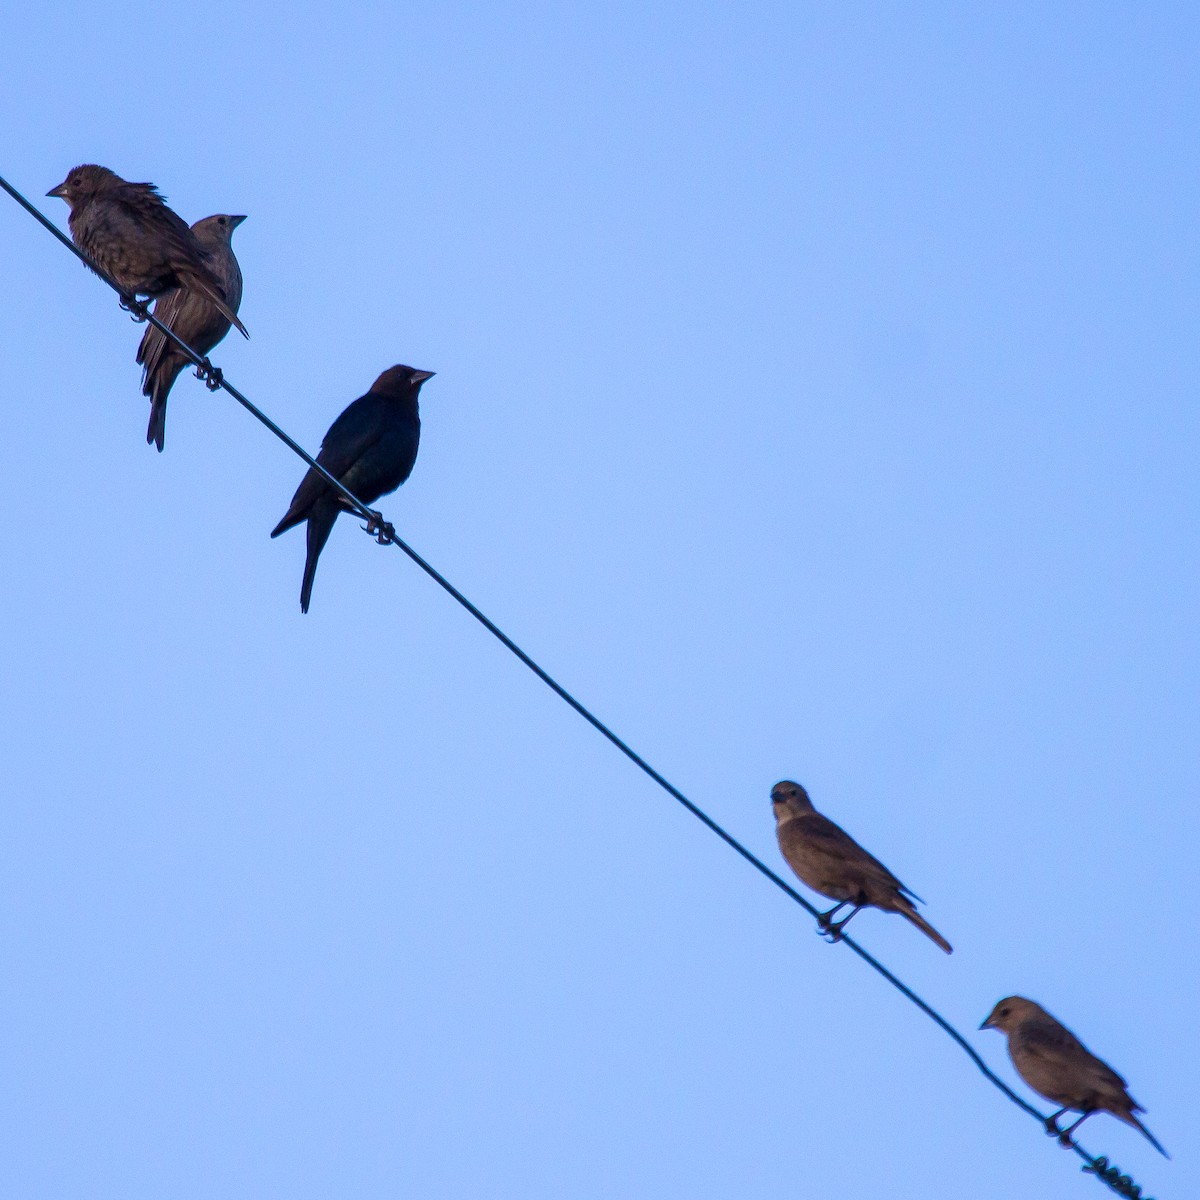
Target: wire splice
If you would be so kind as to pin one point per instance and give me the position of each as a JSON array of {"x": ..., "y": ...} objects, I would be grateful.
[{"x": 1121, "y": 1184}]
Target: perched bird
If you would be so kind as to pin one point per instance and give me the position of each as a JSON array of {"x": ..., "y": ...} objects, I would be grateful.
[
  {"x": 1055, "y": 1063},
  {"x": 831, "y": 862},
  {"x": 192, "y": 317},
  {"x": 127, "y": 230},
  {"x": 370, "y": 448}
]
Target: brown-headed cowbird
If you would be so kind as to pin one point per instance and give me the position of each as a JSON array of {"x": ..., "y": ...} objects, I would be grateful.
[
  {"x": 1056, "y": 1064},
  {"x": 370, "y": 448},
  {"x": 831, "y": 862},
  {"x": 128, "y": 231},
  {"x": 193, "y": 317}
]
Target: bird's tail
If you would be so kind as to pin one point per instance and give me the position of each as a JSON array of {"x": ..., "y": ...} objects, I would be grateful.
[
  {"x": 161, "y": 374},
  {"x": 156, "y": 431},
  {"x": 1130, "y": 1119},
  {"x": 201, "y": 284},
  {"x": 320, "y": 525},
  {"x": 924, "y": 926}
]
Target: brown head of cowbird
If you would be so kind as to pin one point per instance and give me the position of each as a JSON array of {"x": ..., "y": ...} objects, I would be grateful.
[
  {"x": 370, "y": 448},
  {"x": 191, "y": 316},
  {"x": 128, "y": 231},
  {"x": 831, "y": 862},
  {"x": 1057, "y": 1065}
]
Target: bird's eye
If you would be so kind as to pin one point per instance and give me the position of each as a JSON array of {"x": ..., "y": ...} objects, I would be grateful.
[{"x": 220, "y": 220}]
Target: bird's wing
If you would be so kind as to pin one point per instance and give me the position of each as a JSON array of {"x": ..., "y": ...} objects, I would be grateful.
[
  {"x": 192, "y": 315},
  {"x": 832, "y": 840},
  {"x": 148, "y": 209},
  {"x": 143, "y": 206},
  {"x": 355, "y": 431},
  {"x": 154, "y": 341},
  {"x": 1057, "y": 1047}
]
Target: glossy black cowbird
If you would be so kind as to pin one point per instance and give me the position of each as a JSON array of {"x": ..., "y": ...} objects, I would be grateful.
[
  {"x": 370, "y": 448},
  {"x": 128, "y": 231},
  {"x": 193, "y": 317}
]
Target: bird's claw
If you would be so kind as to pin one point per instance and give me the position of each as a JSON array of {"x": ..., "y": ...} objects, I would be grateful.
[
  {"x": 134, "y": 307},
  {"x": 212, "y": 376},
  {"x": 1060, "y": 1135},
  {"x": 831, "y": 931},
  {"x": 382, "y": 531}
]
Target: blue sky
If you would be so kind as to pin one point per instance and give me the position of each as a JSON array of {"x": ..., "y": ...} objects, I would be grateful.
[{"x": 815, "y": 397}]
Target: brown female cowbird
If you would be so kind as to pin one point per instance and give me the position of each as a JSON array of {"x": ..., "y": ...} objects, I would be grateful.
[
  {"x": 370, "y": 448},
  {"x": 127, "y": 230},
  {"x": 1056, "y": 1064},
  {"x": 193, "y": 317},
  {"x": 831, "y": 862}
]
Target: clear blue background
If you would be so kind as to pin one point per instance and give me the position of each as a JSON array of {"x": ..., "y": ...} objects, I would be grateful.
[{"x": 816, "y": 396}]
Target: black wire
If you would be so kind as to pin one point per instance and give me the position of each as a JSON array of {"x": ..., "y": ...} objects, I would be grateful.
[{"x": 385, "y": 533}]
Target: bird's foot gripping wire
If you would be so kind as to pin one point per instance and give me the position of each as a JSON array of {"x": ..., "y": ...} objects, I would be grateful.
[
  {"x": 1121, "y": 1184},
  {"x": 1064, "y": 1135},
  {"x": 212, "y": 376},
  {"x": 382, "y": 531},
  {"x": 830, "y": 930},
  {"x": 134, "y": 307}
]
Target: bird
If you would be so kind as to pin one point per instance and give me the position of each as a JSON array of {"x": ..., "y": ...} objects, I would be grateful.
[
  {"x": 831, "y": 862},
  {"x": 128, "y": 231},
  {"x": 370, "y": 448},
  {"x": 192, "y": 317},
  {"x": 1057, "y": 1065}
]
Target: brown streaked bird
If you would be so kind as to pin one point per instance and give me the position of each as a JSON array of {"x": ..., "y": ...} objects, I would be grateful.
[
  {"x": 128, "y": 231},
  {"x": 831, "y": 862},
  {"x": 1057, "y": 1065},
  {"x": 193, "y": 317}
]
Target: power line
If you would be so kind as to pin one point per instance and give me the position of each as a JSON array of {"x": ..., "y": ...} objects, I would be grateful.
[{"x": 385, "y": 534}]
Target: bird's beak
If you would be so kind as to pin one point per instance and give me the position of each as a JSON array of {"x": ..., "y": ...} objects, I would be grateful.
[
  {"x": 421, "y": 376},
  {"x": 234, "y": 222},
  {"x": 58, "y": 191},
  {"x": 987, "y": 1024}
]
